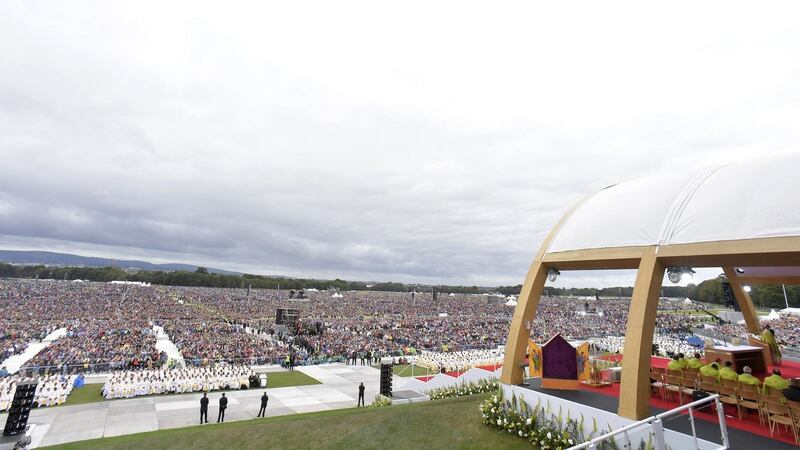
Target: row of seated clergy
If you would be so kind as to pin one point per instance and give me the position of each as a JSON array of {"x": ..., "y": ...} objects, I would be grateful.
[{"x": 713, "y": 370}]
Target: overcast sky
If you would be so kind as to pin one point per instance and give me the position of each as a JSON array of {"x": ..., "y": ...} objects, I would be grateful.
[{"x": 416, "y": 142}]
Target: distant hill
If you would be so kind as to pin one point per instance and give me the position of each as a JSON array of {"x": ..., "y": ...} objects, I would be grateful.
[{"x": 66, "y": 259}]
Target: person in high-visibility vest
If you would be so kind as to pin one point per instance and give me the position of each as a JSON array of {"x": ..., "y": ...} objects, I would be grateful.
[
  {"x": 696, "y": 362},
  {"x": 775, "y": 381},
  {"x": 748, "y": 378},
  {"x": 710, "y": 370},
  {"x": 768, "y": 337},
  {"x": 726, "y": 373}
]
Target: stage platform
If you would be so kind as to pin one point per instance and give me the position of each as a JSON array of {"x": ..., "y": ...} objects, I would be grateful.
[
  {"x": 408, "y": 396},
  {"x": 741, "y": 437}
]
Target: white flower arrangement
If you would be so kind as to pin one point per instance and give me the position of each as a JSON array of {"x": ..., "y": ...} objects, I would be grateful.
[{"x": 471, "y": 388}]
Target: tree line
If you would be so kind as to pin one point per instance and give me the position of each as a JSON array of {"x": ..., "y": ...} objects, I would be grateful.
[
  {"x": 708, "y": 291},
  {"x": 202, "y": 278}
]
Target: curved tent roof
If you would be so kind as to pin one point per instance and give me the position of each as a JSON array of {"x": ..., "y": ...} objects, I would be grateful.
[{"x": 746, "y": 200}]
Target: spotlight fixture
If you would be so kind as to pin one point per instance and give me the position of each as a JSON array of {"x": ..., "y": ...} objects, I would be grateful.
[
  {"x": 552, "y": 274},
  {"x": 739, "y": 270},
  {"x": 747, "y": 288},
  {"x": 679, "y": 274}
]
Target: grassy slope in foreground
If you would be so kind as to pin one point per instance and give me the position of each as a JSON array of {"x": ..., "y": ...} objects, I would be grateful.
[
  {"x": 442, "y": 424},
  {"x": 91, "y": 393}
]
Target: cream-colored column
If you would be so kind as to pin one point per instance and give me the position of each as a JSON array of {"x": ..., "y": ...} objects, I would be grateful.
[
  {"x": 634, "y": 400},
  {"x": 743, "y": 298},
  {"x": 518, "y": 335}
]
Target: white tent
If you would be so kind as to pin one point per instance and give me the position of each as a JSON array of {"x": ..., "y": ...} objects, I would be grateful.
[
  {"x": 685, "y": 207},
  {"x": 337, "y": 295},
  {"x": 795, "y": 311},
  {"x": 511, "y": 303},
  {"x": 772, "y": 315},
  {"x": 687, "y": 302}
]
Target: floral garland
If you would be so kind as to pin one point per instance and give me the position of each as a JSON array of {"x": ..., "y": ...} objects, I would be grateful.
[
  {"x": 461, "y": 389},
  {"x": 537, "y": 424},
  {"x": 380, "y": 401}
]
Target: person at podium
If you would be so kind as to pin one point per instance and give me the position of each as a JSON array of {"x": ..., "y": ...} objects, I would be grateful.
[{"x": 768, "y": 337}]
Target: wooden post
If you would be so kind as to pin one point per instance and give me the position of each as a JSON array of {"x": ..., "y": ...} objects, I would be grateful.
[
  {"x": 743, "y": 298},
  {"x": 634, "y": 400},
  {"x": 518, "y": 335}
]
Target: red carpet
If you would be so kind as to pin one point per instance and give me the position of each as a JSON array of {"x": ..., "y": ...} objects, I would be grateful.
[{"x": 749, "y": 421}]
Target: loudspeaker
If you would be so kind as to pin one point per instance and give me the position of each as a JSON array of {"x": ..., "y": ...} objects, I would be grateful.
[
  {"x": 20, "y": 408},
  {"x": 727, "y": 296},
  {"x": 386, "y": 380}
]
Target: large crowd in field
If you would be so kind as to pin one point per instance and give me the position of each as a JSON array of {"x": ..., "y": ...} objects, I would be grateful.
[{"x": 110, "y": 326}]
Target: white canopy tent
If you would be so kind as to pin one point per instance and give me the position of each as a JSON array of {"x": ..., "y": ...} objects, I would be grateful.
[
  {"x": 716, "y": 204},
  {"x": 741, "y": 217}
]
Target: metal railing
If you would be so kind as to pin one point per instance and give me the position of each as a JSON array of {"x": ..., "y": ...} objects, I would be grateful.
[{"x": 657, "y": 427}]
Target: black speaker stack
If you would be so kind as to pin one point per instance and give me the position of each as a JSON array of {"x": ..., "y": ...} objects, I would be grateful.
[
  {"x": 20, "y": 408},
  {"x": 386, "y": 380}
]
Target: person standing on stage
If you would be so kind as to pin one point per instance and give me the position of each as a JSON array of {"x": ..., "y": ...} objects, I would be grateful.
[
  {"x": 768, "y": 337},
  {"x": 361, "y": 394},
  {"x": 264, "y": 400},
  {"x": 204, "y": 408},
  {"x": 223, "y": 405}
]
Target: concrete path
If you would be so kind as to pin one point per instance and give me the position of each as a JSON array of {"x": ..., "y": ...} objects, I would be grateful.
[
  {"x": 339, "y": 389},
  {"x": 13, "y": 363},
  {"x": 165, "y": 344}
]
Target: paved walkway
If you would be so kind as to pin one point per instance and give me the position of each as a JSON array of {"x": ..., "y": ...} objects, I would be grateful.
[
  {"x": 339, "y": 389},
  {"x": 164, "y": 344},
  {"x": 13, "y": 363}
]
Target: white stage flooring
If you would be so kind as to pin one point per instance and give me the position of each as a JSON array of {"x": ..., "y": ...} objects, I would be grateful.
[{"x": 339, "y": 389}]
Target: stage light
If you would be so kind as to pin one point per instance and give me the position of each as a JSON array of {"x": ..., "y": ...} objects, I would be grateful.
[
  {"x": 552, "y": 274},
  {"x": 674, "y": 275},
  {"x": 747, "y": 288},
  {"x": 686, "y": 277},
  {"x": 680, "y": 274},
  {"x": 739, "y": 270}
]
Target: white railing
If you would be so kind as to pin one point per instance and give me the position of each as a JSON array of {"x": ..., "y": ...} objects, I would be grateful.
[{"x": 656, "y": 425}]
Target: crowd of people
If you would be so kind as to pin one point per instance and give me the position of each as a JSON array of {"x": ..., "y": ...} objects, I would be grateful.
[
  {"x": 51, "y": 390},
  {"x": 786, "y": 326},
  {"x": 136, "y": 383},
  {"x": 460, "y": 361},
  {"x": 109, "y": 327}
]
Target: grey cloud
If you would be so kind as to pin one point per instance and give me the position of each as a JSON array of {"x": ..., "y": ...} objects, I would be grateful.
[{"x": 281, "y": 149}]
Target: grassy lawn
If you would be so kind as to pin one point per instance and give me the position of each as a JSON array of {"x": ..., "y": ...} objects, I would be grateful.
[
  {"x": 407, "y": 370},
  {"x": 286, "y": 379},
  {"x": 452, "y": 423},
  {"x": 90, "y": 393}
]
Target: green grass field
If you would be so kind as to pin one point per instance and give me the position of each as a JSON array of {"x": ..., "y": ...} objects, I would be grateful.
[
  {"x": 452, "y": 423},
  {"x": 90, "y": 393}
]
